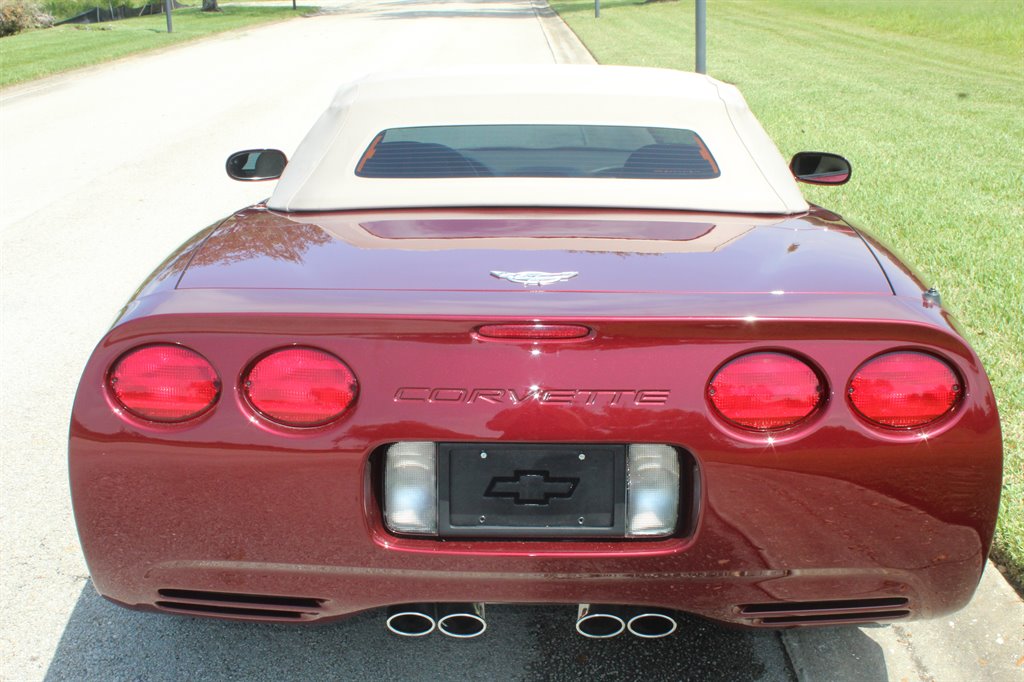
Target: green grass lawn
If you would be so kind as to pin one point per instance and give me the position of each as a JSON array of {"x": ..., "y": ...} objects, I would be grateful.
[
  {"x": 926, "y": 99},
  {"x": 48, "y": 51},
  {"x": 65, "y": 9}
]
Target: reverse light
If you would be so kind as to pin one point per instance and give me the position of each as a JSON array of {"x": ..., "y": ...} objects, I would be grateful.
[
  {"x": 904, "y": 389},
  {"x": 164, "y": 383},
  {"x": 410, "y": 488},
  {"x": 300, "y": 387},
  {"x": 652, "y": 490},
  {"x": 765, "y": 391}
]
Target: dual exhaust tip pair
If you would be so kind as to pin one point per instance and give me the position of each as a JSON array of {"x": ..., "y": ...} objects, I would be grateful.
[
  {"x": 465, "y": 621},
  {"x": 605, "y": 622},
  {"x": 462, "y": 621}
]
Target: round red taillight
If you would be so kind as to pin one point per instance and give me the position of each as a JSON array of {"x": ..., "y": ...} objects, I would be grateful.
[
  {"x": 904, "y": 390},
  {"x": 765, "y": 391},
  {"x": 300, "y": 387},
  {"x": 164, "y": 383}
]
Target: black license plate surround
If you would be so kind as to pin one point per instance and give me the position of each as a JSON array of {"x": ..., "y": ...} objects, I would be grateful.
[{"x": 506, "y": 486}]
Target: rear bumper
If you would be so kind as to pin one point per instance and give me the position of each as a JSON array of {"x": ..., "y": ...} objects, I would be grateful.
[
  {"x": 832, "y": 511},
  {"x": 308, "y": 528}
]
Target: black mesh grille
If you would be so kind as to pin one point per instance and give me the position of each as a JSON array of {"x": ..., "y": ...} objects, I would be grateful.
[
  {"x": 242, "y": 598},
  {"x": 230, "y": 611},
  {"x": 826, "y": 611},
  {"x": 830, "y": 605},
  {"x": 866, "y": 617}
]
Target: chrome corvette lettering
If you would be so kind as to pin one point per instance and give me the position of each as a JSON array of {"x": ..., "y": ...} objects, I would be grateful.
[
  {"x": 651, "y": 397},
  {"x": 560, "y": 396},
  {"x": 486, "y": 395},
  {"x": 515, "y": 399},
  {"x": 448, "y": 395},
  {"x": 545, "y": 396},
  {"x": 412, "y": 394}
]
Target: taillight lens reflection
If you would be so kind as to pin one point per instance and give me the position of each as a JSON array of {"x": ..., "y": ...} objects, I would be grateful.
[
  {"x": 164, "y": 383},
  {"x": 300, "y": 387},
  {"x": 905, "y": 389},
  {"x": 765, "y": 391}
]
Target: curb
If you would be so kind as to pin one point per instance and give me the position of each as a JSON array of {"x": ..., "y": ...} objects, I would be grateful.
[{"x": 565, "y": 47}]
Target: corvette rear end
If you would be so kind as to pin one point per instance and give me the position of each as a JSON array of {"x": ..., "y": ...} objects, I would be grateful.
[{"x": 762, "y": 418}]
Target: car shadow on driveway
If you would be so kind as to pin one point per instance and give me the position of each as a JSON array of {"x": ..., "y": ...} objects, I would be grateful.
[{"x": 104, "y": 642}]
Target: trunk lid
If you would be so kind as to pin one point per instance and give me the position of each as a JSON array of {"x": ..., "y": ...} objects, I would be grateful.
[{"x": 574, "y": 251}]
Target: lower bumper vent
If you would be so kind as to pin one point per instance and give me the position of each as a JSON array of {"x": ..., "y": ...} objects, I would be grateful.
[
  {"x": 823, "y": 612},
  {"x": 238, "y": 605}
]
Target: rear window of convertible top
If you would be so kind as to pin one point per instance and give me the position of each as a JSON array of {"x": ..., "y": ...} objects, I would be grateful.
[{"x": 537, "y": 151}]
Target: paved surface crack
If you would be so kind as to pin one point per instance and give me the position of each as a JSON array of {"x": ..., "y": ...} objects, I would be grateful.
[{"x": 905, "y": 639}]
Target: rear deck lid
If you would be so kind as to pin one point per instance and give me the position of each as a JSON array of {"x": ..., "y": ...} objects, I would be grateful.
[{"x": 565, "y": 250}]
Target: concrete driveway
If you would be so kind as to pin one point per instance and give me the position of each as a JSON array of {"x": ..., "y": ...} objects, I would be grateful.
[{"x": 103, "y": 173}]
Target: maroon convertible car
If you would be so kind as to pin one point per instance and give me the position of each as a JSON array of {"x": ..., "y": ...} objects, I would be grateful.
[{"x": 559, "y": 335}]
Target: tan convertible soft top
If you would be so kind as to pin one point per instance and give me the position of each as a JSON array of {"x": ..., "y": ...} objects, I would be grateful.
[{"x": 754, "y": 177}]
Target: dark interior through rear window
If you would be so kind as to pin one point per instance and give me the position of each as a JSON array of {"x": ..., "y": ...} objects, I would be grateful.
[{"x": 537, "y": 151}]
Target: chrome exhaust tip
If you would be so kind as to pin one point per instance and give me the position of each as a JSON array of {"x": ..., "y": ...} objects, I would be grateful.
[
  {"x": 462, "y": 621},
  {"x": 652, "y": 624},
  {"x": 599, "y": 622},
  {"x": 411, "y": 620}
]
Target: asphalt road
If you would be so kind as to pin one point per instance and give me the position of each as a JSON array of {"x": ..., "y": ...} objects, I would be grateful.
[{"x": 103, "y": 173}]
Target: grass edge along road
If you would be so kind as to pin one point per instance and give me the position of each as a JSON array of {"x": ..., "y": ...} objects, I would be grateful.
[
  {"x": 45, "y": 52},
  {"x": 925, "y": 99}
]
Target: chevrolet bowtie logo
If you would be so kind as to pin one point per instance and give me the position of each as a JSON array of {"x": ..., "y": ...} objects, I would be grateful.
[
  {"x": 531, "y": 487},
  {"x": 533, "y": 278}
]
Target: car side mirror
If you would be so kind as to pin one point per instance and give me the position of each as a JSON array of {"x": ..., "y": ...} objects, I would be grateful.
[
  {"x": 256, "y": 164},
  {"x": 820, "y": 168}
]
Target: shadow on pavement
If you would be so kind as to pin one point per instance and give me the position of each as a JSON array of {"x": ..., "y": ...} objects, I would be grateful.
[{"x": 104, "y": 642}]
